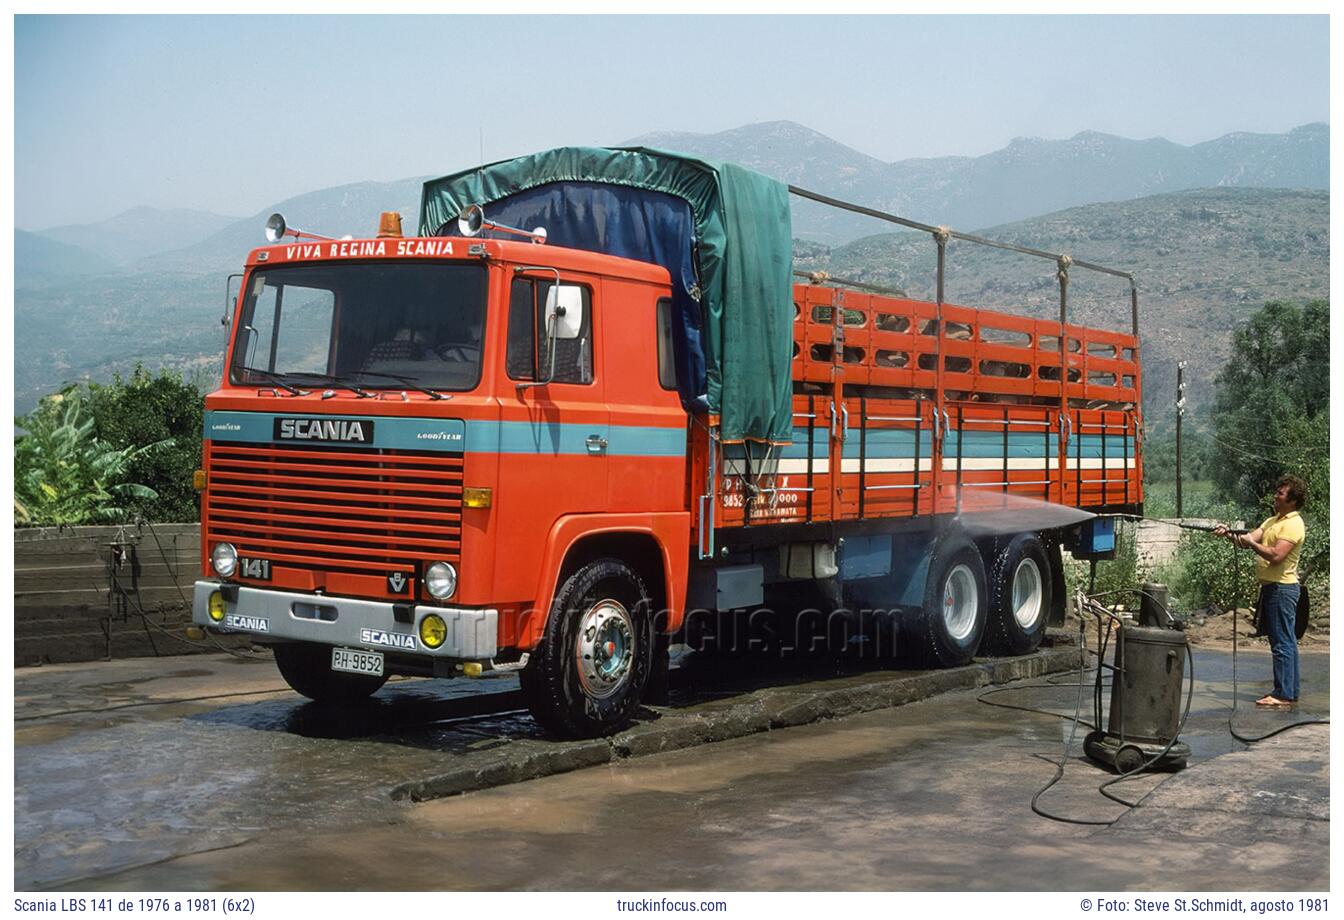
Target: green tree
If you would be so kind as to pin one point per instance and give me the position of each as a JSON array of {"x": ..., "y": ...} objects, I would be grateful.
[
  {"x": 158, "y": 409},
  {"x": 1271, "y": 416},
  {"x": 64, "y": 474}
]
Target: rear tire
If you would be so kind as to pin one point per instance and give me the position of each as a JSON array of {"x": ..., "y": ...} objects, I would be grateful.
[
  {"x": 949, "y": 625},
  {"x": 1020, "y": 583},
  {"x": 587, "y": 675},
  {"x": 307, "y": 669}
]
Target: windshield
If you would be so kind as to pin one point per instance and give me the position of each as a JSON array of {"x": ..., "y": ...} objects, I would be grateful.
[{"x": 371, "y": 324}]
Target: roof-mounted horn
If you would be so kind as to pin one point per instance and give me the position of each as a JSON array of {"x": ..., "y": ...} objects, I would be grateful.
[{"x": 472, "y": 221}]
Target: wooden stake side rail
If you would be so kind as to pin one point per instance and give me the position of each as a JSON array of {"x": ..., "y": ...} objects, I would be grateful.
[{"x": 875, "y": 438}]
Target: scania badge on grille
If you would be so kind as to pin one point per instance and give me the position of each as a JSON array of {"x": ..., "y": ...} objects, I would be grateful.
[
  {"x": 339, "y": 430},
  {"x": 398, "y": 583}
]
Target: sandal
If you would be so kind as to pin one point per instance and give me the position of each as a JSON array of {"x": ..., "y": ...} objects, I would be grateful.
[{"x": 1273, "y": 702}]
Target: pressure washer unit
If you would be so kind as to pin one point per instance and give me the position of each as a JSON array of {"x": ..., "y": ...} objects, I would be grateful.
[{"x": 1147, "y": 675}]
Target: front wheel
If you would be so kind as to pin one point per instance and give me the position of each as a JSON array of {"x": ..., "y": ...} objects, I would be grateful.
[
  {"x": 307, "y": 669},
  {"x": 588, "y": 673}
]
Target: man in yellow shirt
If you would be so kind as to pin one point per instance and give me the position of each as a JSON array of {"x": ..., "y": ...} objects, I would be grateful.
[{"x": 1277, "y": 544}]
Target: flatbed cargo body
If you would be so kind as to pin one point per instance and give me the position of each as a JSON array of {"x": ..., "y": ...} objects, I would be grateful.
[{"x": 880, "y": 433}]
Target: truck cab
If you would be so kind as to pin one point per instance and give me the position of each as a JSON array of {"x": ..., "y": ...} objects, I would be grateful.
[{"x": 418, "y": 440}]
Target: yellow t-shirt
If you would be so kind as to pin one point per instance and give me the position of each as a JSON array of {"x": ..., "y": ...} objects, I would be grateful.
[{"x": 1289, "y": 527}]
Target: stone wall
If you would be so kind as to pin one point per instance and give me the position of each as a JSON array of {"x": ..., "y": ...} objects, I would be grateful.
[
  {"x": 1157, "y": 540},
  {"x": 79, "y": 597}
]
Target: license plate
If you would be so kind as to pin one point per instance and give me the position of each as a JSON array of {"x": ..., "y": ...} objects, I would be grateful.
[{"x": 355, "y": 661}]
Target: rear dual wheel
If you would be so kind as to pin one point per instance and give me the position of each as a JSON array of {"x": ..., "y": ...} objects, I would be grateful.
[
  {"x": 1020, "y": 581},
  {"x": 948, "y": 627},
  {"x": 968, "y": 610}
]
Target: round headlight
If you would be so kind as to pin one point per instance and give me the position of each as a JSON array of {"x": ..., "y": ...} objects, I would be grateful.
[
  {"x": 224, "y": 558},
  {"x": 441, "y": 580},
  {"x": 433, "y": 630}
]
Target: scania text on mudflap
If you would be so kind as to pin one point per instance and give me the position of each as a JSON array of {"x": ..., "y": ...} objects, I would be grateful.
[{"x": 564, "y": 435}]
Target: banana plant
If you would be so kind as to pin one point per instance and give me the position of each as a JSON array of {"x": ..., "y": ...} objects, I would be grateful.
[{"x": 63, "y": 474}]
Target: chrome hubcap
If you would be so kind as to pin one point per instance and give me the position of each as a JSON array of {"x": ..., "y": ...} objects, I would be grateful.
[
  {"x": 960, "y": 599},
  {"x": 604, "y": 648},
  {"x": 1027, "y": 594}
]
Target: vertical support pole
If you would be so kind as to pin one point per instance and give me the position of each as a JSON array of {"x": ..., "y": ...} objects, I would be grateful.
[
  {"x": 811, "y": 427},
  {"x": 1137, "y": 412},
  {"x": 1063, "y": 262},
  {"x": 1005, "y": 450},
  {"x": 838, "y": 413},
  {"x": 1045, "y": 453},
  {"x": 961, "y": 449},
  {"x": 919, "y": 429},
  {"x": 863, "y": 453},
  {"x": 940, "y": 236},
  {"x": 1180, "y": 412},
  {"x": 1105, "y": 470}
]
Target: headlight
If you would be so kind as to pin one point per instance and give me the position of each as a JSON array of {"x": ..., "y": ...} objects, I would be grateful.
[
  {"x": 441, "y": 580},
  {"x": 224, "y": 558},
  {"x": 217, "y": 606},
  {"x": 433, "y": 630}
]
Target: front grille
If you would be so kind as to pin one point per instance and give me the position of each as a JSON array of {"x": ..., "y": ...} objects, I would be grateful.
[{"x": 365, "y": 511}]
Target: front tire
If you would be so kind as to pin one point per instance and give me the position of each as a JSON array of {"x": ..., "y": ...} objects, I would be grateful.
[
  {"x": 949, "y": 625},
  {"x": 307, "y": 669},
  {"x": 1020, "y": 583},
  {"x": 587, "y": 675}
]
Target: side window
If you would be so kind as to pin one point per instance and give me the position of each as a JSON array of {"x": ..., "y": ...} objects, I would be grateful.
[
  {"x": 667, "y": 369},
  {"x": 291, "y": 329},
  {"x": 520, "y": 351},
  {"x": 529, "y": 344}
]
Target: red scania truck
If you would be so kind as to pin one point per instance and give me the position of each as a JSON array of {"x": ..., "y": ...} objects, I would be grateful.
[{"x": 543, "y": 438}]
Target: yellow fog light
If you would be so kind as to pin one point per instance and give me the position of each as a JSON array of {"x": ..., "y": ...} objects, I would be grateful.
[
  {"x": 217, "y": 608},
  {"x": 477, "y": 498},
  {"x": 433, "y": 630}
]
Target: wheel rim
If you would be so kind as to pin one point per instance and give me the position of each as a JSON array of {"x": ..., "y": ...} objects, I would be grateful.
[
  {"x": 604, "y": 648},
  {"x": 960, "y": 600},
  {"x": 1028, "y": 595}
]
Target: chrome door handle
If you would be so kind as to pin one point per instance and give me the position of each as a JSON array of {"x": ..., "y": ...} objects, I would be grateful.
[{"x": 596, "y": 444}]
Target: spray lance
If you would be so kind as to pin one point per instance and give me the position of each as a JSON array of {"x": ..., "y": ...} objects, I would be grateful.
[{"x": 1205, "y": 528}]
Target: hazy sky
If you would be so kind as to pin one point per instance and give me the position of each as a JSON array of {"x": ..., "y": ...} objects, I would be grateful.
[{"x": 231, "y": 114}]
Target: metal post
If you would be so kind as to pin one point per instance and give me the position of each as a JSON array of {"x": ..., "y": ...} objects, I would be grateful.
[
  {"x": 1180, "y": 411},
  {"x": 1063, "y": 275},
  {"x": 940, "y": 236}
]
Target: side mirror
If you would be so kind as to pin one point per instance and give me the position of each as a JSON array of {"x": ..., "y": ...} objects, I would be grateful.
[
  {"x": 564, "y": 311},
  {"x": 228, "y": 299}
]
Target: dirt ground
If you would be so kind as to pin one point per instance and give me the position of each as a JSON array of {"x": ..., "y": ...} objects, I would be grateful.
[{"x": 1213, "y": 630}]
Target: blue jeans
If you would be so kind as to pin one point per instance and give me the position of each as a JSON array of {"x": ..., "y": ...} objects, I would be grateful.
[{"x": 1279, "y": 602}]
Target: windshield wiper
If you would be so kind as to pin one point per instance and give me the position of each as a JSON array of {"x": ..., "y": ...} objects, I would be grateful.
[
  {"x": 328, "y": 378},
  {"x": 277, "y": 379},
  {"x": 409, "y": 381}
]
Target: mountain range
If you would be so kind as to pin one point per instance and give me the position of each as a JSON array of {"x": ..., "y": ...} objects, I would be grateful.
[
  {"x": 149, "y": 285},
  {"x": 1029, "y": 177}
]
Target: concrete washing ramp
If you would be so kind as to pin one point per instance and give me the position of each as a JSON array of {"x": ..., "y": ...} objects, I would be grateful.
[{"x": 762, "y": 710}]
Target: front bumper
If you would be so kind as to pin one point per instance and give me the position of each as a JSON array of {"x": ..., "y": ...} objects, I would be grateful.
[{"x": 348, "y": 622}]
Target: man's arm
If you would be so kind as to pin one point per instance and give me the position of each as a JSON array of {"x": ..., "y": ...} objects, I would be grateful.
[{"x": 1271, "y": 554}]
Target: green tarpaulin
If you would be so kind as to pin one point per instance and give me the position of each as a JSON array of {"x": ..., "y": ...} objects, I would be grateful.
[{"x": 743, "y": 241}]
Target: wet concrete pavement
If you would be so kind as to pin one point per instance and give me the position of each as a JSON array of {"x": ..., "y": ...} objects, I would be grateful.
[{"x": 185, "y": 789}]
